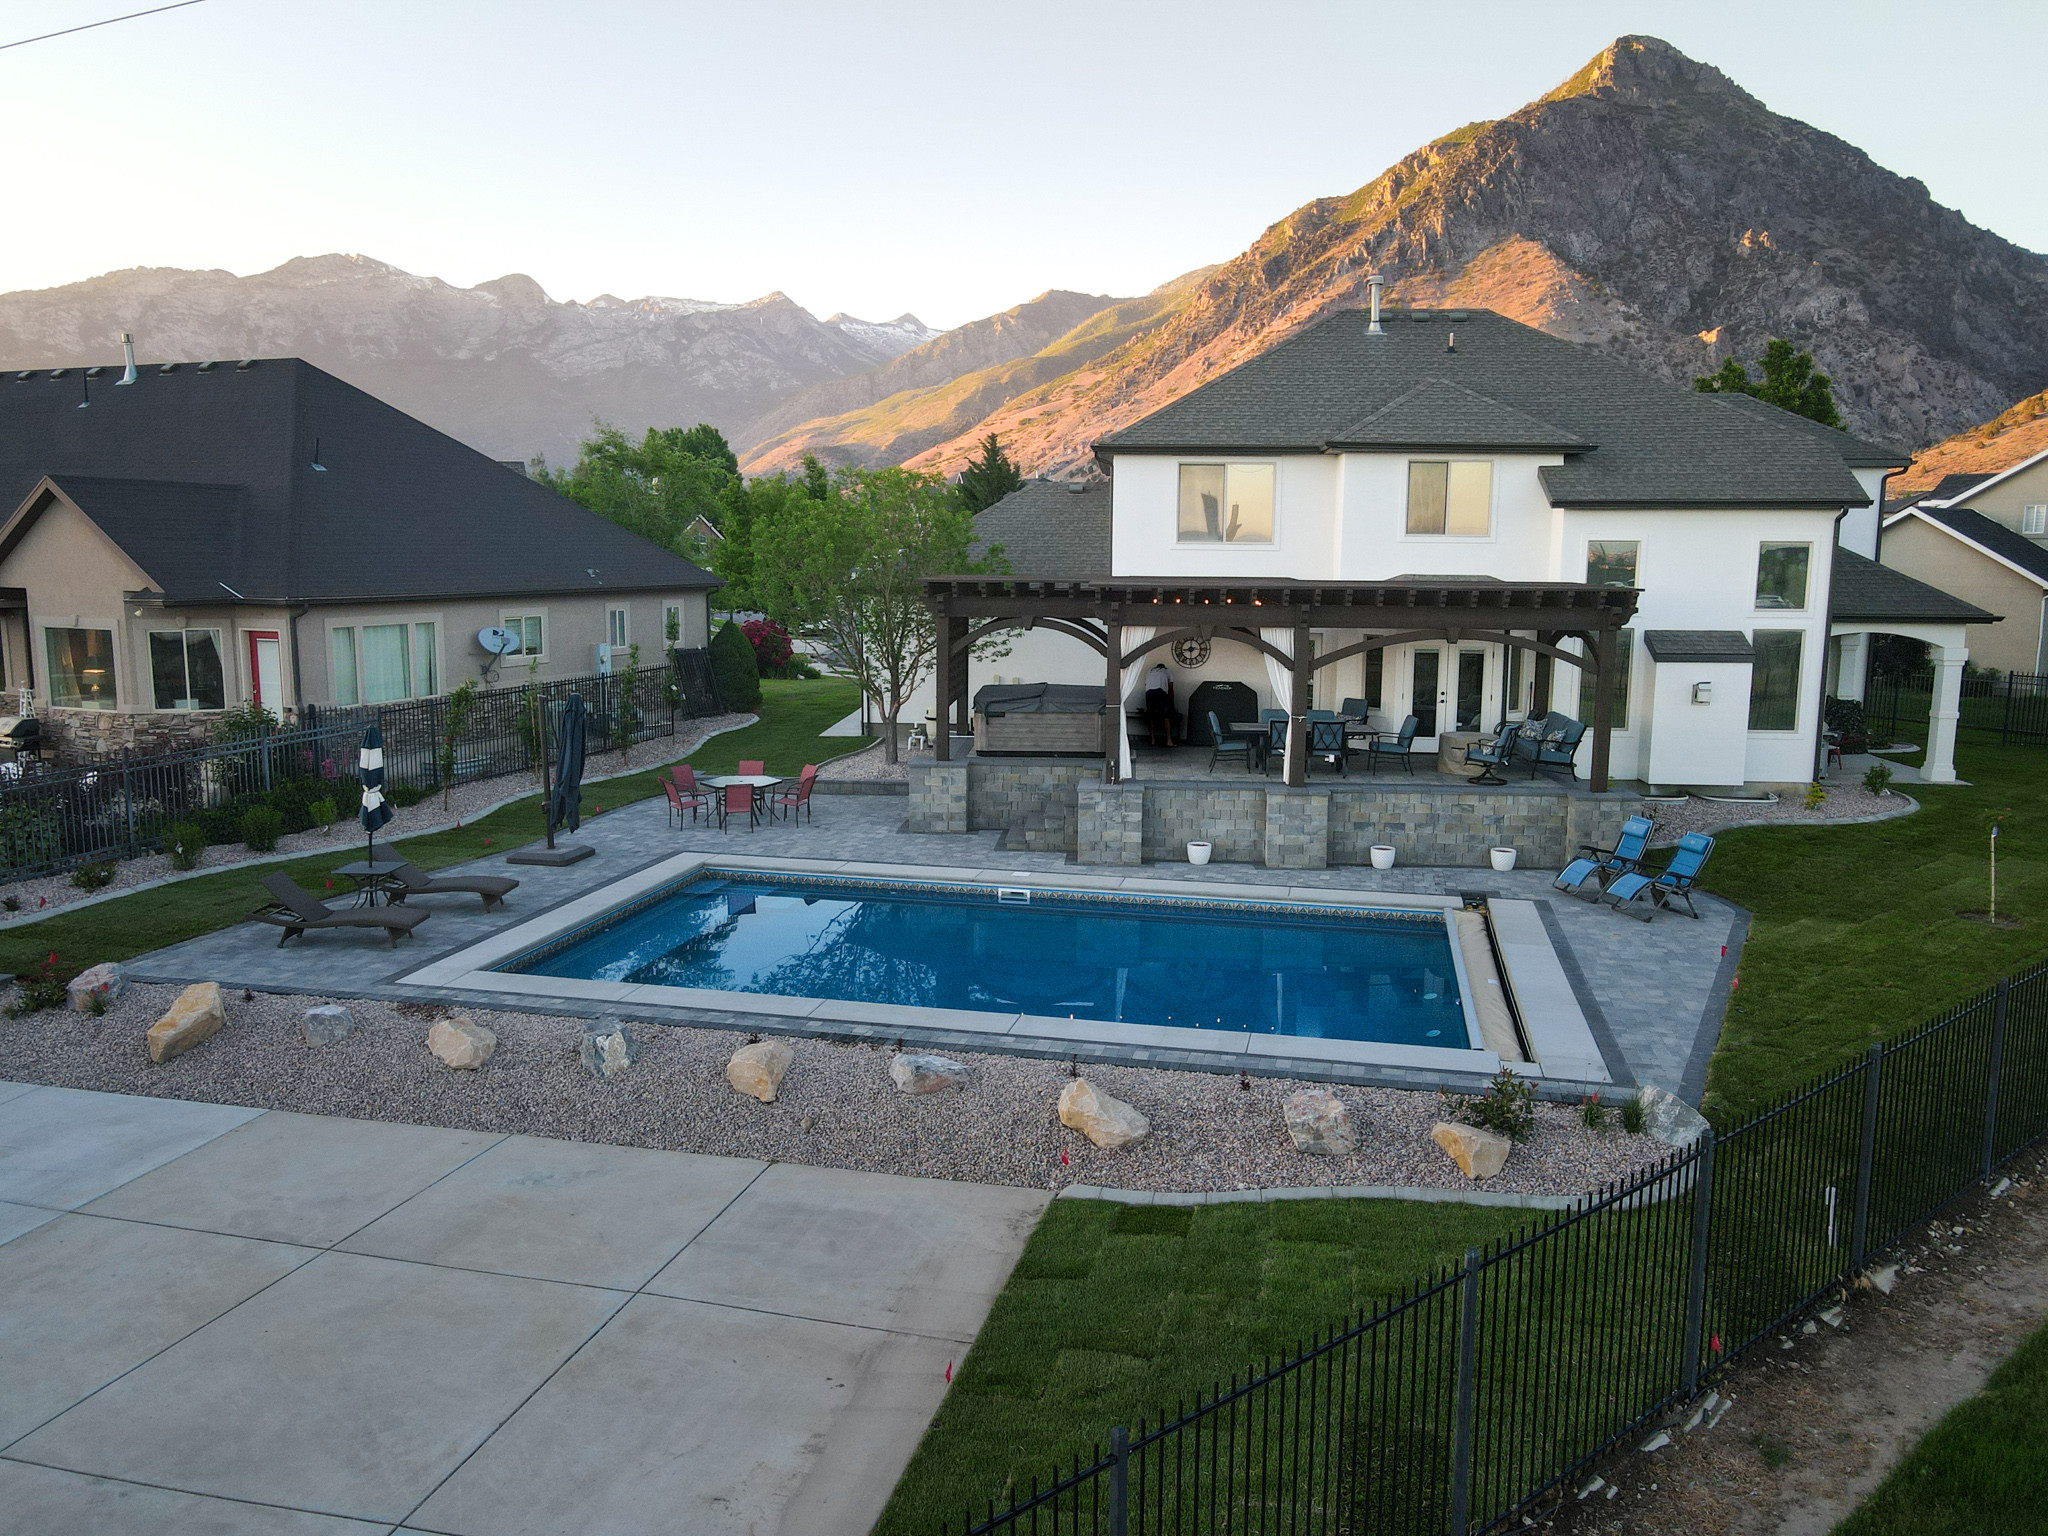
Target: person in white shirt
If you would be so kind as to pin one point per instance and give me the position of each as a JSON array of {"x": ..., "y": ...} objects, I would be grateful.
[{"x": 1159, "y": 705}]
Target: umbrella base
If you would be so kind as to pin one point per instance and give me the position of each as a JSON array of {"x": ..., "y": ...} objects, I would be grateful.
[{"x": 560, "y": 854}]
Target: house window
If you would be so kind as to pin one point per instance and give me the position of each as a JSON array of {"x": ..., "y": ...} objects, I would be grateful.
[
  {"x": 1452, "y": 498},
  {"x": 615, "y": 627},
  {"x": 532, "y": 633},
  {"x": 426, "y": 661},
  {"x": 185, "y": 669},
  {"x": 672, "y": 625},
  {"x": 1774, "y": 680},
  {"x": 1781, "y": 575},
  {"x": 81, "y": 667},
  {"x": 387, "y": 667},
  {"x": 1518, "y": 681},
  {"x": 346, "y": 693},
  {"x": 1226, "y": 504},
  {"x": 1624, "y": 665},
  {"x": 2034, "y": 519},
  {"x": 1611, "y": 562}
]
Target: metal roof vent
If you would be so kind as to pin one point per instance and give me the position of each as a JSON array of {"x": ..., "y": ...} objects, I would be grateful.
[
  {"x": 1077, "y": 488},
  {"x": 128, "y": 352},
  {"x": 1373, "y": 285},
  {"x": 206, "y": 367},
  {"x": 168, "y": 368},
  {"x": 24, "y": 376},
  {"x": 58, "y": 373},
  {"x": 245, "y": 365},
  {"x": 94, "y": 372}
]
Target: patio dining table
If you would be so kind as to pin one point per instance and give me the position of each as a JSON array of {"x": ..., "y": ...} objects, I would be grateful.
[{"x": 761, "y": 783}]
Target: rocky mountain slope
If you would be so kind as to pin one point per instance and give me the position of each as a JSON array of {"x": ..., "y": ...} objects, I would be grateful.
[
  {"x": 1647, "y": 206},
  {"x": 2007, "y": 439},
  {"x": 501, "y": 366}
]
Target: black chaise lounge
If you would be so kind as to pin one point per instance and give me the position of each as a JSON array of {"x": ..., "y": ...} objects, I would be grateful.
[
  {"x": 410, "y": 880},
  {"x": 298, "y": 909}
]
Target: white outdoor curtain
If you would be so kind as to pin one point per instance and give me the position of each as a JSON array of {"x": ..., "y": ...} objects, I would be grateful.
[
  {"x": 1283, "y": 683},
  {"x": 1134, "y": 635}
]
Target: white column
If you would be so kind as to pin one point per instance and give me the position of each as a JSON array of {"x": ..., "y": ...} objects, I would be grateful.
[
  {"x": 1852, "y": 666},
  {"x": 1940, "y": 765}
]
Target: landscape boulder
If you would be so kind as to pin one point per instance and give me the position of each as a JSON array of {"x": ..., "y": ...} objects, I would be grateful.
[
  {"x": 328, "y": 1024},
  {"x": 758, "y": 1069},
  {"x": 1669, "y": 1119},
  {"x": 461, "y": 1043},
  {"x": 103, "y": 981},
  {"x": 199, "y": 1014},
  {"x": 1479, "y": 1153},
  {"x": 917, "y": 1072},
  {"x": 608, "y": 1047},
  {"x": 1319, "y": 1123},
  {"x": 1108, "y": 1122}
]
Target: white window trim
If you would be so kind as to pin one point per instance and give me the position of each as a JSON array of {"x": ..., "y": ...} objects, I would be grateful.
[
  {"x": 1756, "y": 576},
  {"x": 49, "y": 691},
  {"x": 1221, "y": 545},
  {"x": 184, "y": 646},
  {"x": 625, "y": 613},
  {"x": 675, "y": 606},
  {"x": 1587, "y": 563},
  {"x": 357, "y": 623},
  {"x": 1492, "y": 534},
  {"x": 547, "y": 632},
  {"x": 2033, "y": 519}
]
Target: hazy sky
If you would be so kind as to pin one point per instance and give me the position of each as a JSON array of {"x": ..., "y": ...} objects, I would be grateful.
[{"x": 950, "y": 159}]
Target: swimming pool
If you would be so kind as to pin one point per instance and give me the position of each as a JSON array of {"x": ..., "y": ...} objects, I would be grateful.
[{"x": 1249, "y": 967}]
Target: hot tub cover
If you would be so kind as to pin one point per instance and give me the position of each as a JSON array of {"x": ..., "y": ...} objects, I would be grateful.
[{"x": 1037, "y": 699}]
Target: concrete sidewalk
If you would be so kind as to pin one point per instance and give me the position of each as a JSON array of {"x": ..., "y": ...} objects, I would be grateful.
[{"x": 228, "y": 1320}]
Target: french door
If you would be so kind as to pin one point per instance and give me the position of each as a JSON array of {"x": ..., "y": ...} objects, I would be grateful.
[{"x": 1446, "y": 691}]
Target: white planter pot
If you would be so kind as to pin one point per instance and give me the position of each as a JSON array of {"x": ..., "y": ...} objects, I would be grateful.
[
  {"x": 1198, "y": 853},
  {"x": 1382, "y": 856},
  {"x": 1503, "y": 859}
]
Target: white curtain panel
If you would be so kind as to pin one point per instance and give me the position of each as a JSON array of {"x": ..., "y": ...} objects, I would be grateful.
[
  {"x": 1283, "y": 683},
  {"x": 1134, "y": 635}
]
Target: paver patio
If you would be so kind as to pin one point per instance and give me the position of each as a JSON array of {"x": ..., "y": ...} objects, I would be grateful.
[{"x": 227, "y": 1320}]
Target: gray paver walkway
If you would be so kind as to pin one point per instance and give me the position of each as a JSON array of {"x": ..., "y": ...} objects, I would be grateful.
[
  {"x": 1653, "y": 990},
  {"x": 288, "y": 1325}
]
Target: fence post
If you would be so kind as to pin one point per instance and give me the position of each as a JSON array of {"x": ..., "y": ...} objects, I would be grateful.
[
  {"x": 1119, "y": 1481},
  {"x": 263, "y": 753},
  {"x": 1998, "y": 1011},
  {"x": 1468, "y": 1383},
  {"x": 1866, "y": 1155},
  {"x": 1696, "y": 1290},
  {"x": 128, "y": 795}
]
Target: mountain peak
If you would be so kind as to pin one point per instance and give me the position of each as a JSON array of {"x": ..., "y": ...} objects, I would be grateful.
[{"x": 1647, "y": 72}]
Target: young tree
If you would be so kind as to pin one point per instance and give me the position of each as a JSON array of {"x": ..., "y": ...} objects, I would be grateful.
[
  {"x": 988, "y": 479},
  {"x": 851, "y": 568},
  {"x": 1789, "y": 382},
  {"x": 657, "y": 486}
]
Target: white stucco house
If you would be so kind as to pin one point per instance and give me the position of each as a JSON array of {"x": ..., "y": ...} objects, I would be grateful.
[{"x": 1461, "y": 445}]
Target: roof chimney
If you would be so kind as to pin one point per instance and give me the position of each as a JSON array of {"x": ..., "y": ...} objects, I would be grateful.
[
  {"x": 128, "y": 351},
  {"x": 1373, "y": 285}
]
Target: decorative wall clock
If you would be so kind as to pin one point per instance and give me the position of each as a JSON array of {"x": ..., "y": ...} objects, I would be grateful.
[{"x": 1191, "y": 651}]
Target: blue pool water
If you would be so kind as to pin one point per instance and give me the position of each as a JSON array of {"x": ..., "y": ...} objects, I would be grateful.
[{"x": 1332, "y": 974}]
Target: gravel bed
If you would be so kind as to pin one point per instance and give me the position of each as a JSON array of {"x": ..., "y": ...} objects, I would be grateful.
[
  {"x": 838, "y": 1108},
  {"x": 867, "y": 765},
  {"x": 42, "y": 892},
  {"x": 1847, "y": 801}
]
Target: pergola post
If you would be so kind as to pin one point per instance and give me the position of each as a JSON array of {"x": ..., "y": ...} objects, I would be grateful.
[
  {"x": 1540, "y": 703},
  {"x": 1113, "y": 701},
  {"x": 962, "y": 723},
  {"x": 942, "y": 686},
  {"x": 1297, "y": 709},
  {"x": 1600, "y": 645}
]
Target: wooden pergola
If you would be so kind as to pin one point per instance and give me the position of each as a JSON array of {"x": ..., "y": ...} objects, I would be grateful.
[{"x": 1393, "y": 612}]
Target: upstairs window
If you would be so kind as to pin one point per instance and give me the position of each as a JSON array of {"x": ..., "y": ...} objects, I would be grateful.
[
  {"x": 1611, "y": 562},
  {"x": 1453, "y": 498},
  {"x": 1226, "y": 504},
  {"x": 1781, "y": 575},
  {"x": 2034, "y": 519}
]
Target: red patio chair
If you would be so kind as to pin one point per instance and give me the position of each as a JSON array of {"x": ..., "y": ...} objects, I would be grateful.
[
  {"x": 689, "y": 793},
  {"x": 795, "y": 800},
  {"x": 675, "y": 803},
  {"x": 738, "y": 801},
  {"x": 751, "y": 766}
]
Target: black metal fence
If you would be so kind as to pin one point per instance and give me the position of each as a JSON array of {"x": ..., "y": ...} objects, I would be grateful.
[
  {"x": 1465, "y": 1403},
  {"x": 121, "y": 806},
  {"x": 2013, "y": 706}
]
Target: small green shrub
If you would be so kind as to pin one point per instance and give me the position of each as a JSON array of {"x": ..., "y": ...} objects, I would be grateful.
[
  {"x": 1595, "y": 1114},
  {"x": 41, "y": 989},
  {"x": 184, "y": 843},
  {"x": 94, "y": 877},
  {"x": 1632, "y": 1116},
  {"x": 223, "y": 823},
  {"x": 405, "y": 796},
  {"x": 261, "y": 828},
  {"x": 323, "y": 813},
  {"x": 1816, "y": 794},
  {"x": 1877, "y": 778},
  {"x": 734, "y": 669},
  {"x": 1508, "y": 1106}
]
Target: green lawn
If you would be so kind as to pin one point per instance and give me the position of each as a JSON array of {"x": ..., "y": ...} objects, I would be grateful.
[
  {"x": 1981, "y": 1469},
  {"x": 792, "y": 714}
]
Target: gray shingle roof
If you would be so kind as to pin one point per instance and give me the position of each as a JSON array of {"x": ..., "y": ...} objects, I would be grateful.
[
  {"x": 1856, "y": 452},
  {"x": 1994, "y": 536},
  {"x": 1866, "y": 592},
  {"x": 399, "y": 512},
  {"x": 1050, "y": 529},
  {"x": 1659, "y": 445},
  {"x": 1699, "y": 645},
  {"x": 1439, "y": 414}
]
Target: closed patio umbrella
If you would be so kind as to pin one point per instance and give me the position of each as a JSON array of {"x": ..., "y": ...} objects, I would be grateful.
[
  {"x": 370, "y": 772},
  {"x": 565, "y": 805}
]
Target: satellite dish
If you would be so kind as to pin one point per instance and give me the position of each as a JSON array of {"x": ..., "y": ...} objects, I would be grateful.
[{"x": 499, "y": 642}]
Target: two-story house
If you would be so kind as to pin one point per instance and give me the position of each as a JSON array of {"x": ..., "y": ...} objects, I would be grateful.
[
  {"x": 1462, "y": 447},
  {"x": 1984, "y": 538}
]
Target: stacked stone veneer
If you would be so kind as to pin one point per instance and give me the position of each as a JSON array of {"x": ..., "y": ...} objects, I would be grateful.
[
  {"x": 1061, "y": 805},
  {"x": 86, "y": 735}
]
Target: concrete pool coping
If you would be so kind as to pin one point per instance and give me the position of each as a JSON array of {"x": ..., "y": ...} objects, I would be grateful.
[{"x": 1567, "y": 1057}]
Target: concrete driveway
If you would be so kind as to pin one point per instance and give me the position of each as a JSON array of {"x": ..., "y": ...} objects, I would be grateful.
[{"x": 237, "y": 1321}]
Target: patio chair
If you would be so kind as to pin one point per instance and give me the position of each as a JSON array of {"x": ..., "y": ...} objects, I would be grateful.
[
  {"x": 1553, "y": 743},
  {"x": 795, "y": 800},
  {"x": 1221, "y": 745},
  {"x": 1393, "y": 744},
  {"x": 1674, "y": 882},
  {"x": 1274, "y": 748},
  {"x": 1606, "y": 865},
  {"x": 1326, "y": 739},
  {"x": 417, "y": 882},
  {"x": 1495, "y": 754},
  {"x": 295, "y": 909},
  {"x": 687, "y": 794},
  {"x": 751, "y": 766},
  {"x": 737, "y": 800}
]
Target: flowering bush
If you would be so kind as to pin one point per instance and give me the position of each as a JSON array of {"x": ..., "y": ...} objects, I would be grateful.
[{"x": 771, "y": 645}]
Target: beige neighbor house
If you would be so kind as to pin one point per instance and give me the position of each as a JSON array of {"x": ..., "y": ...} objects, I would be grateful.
[
  {"x": 184, "y": 538},
  {"x": 1984, "y": 538}
]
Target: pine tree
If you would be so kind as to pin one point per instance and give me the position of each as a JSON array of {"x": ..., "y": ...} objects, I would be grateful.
[
  {"x": 1790, "y": 382},
  {"x": 988, "y": 479}
]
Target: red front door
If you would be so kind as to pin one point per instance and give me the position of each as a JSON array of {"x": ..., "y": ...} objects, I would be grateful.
[{"x": 266, "y": 672}]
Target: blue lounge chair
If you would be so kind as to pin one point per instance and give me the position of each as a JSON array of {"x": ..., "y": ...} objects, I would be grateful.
[
  {"x": 1399, "y": 744},
  {"x": 1495, "y": 754},
  {"x": 1221, "y": 745},
  {"x": 1606, "y": 865},
  {"x": 1674, "y": 882}
]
